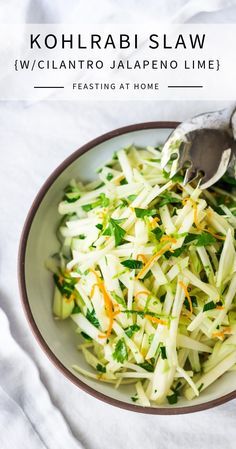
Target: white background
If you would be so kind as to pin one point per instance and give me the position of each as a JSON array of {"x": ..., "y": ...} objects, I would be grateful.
[{"x": 35, "y": 138}]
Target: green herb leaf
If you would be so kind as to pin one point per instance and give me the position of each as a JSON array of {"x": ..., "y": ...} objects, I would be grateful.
[
  {"x": 72, "y": 197},
  {"x": 99, "y": 226},
  {"x": 193, "y": 301},
  {"x": 123, "y": 203},
  {"x": 131, "y": 330},
  {"x": 209, "y": 306},
  {"x": 158, "y": 233},
  {"x": 141, "y": 213},
  {"x": 176, "y": 252},
  {"x": 205, "y": 239},
  {"x": 110, "y": 176},
  {"x": 87, "y": 337},
  {"x": 134, "y": 398},
  {"x": 92, "y": 318},
  {"x": 177, "y": 178},
  {"x": 103, "y": 200},
  {"x": 115, "y": 229},
  {"x": 120, "y": 354},
  {"x": 173, "y": 398},
  {"x": 163, "y": 352},
  {"x": 76, "y": 309},
  {"x": 82, "y": 236},
  {"x": 167, "y": 198},
  {"x": 132, "y": 264},
  {"x": 65, "y": 285},
  {"x": 87, "y": 207},
  {"x": 132, "y": 197},
  {"x": 190, "y": 238},
  {"x": 101, "y": 368},
  {"x": 147, "y": 366},
  {"x": 147, "y": 275}
]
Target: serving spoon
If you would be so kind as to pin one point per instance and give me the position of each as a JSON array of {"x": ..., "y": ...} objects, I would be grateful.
[{"x": 205, "y": 146}]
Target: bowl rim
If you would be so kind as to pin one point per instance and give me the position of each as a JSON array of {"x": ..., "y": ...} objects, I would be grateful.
[{"x": 25, "y": 300}]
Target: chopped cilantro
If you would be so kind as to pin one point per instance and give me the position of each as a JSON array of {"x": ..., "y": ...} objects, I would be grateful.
[
  {"x": 92, "y": 318},
  {"x": 100, "y": 368},
  {"x": 205, "y": 239},
  {"x": 82, "y": 236},
  {"x": 131, "y": 330},
  {"x": 65, "y": 285},
  {"x": 99, "y": 226},
  {"x": 193, "y": 301},
  {"x": 120, "y": 354},
  {"x": 147, "y": 275},
  {"x": 115, "y": 230},
  {"x": 167, "y": 198},
  {"x": 132, "y": 197},
  {"x": 172, "y": 399},
  {"x": 189, "y": 238},
  {"x": 177, "y": 178},
  {"x": 110, "y": 176},
  {"x": 134, "y": 398},
  {"x": 123, "y": 203},
  {"x": 163, "y": 352},
  {"x": 76, "y": 309},
  {"x": 132, "y": 264},
  {"x": 72, "y": 194},
  {"x": 87, "y": 207},
  {"x": 209, "y": 306},
  {"x": 147, "y": 366},
  {"x": 175, "y": 253},
  {"x": 103, "y": 200},
  {"x": 87, "y": 337},
  {"x": 158, "y": 233},
  {"x": 141, "y": 213}
]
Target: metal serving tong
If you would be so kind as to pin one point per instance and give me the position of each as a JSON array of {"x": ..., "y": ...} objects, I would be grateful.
[{"x": 205, "y": 146}]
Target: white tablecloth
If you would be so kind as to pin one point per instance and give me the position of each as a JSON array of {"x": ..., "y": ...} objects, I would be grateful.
[{"x": 34, "y": 140}]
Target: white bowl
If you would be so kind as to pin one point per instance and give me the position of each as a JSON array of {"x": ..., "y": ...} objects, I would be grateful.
[{"x": 58, "y": 338}]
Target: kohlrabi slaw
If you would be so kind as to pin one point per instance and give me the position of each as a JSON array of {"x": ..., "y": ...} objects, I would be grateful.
[{"x": 147, "y": 273}]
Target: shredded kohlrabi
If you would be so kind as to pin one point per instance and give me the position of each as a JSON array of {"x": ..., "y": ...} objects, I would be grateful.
[{"x": 147, "y": 272}]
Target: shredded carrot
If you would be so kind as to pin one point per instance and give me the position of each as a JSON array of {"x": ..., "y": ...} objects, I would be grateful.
[
  {"x": 185, "y": 289},
  {"x": 219, "y": 307},
  {"x": 151, "y": 260},
  {"x": 142, "y": 257},
  {"x": 60, "y": 279},
  {"x": 155, "y": 319},
  {"x": 168, "y": 238},
  {"x": 107, "y": 300},
  {"x": 143, "y": 292},
  {"x": 222, "y": 333}
]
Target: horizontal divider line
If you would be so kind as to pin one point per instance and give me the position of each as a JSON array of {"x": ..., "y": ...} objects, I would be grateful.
[
  {"x": 192, "y": 87},
  {"x": 48, "y": 87}
]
